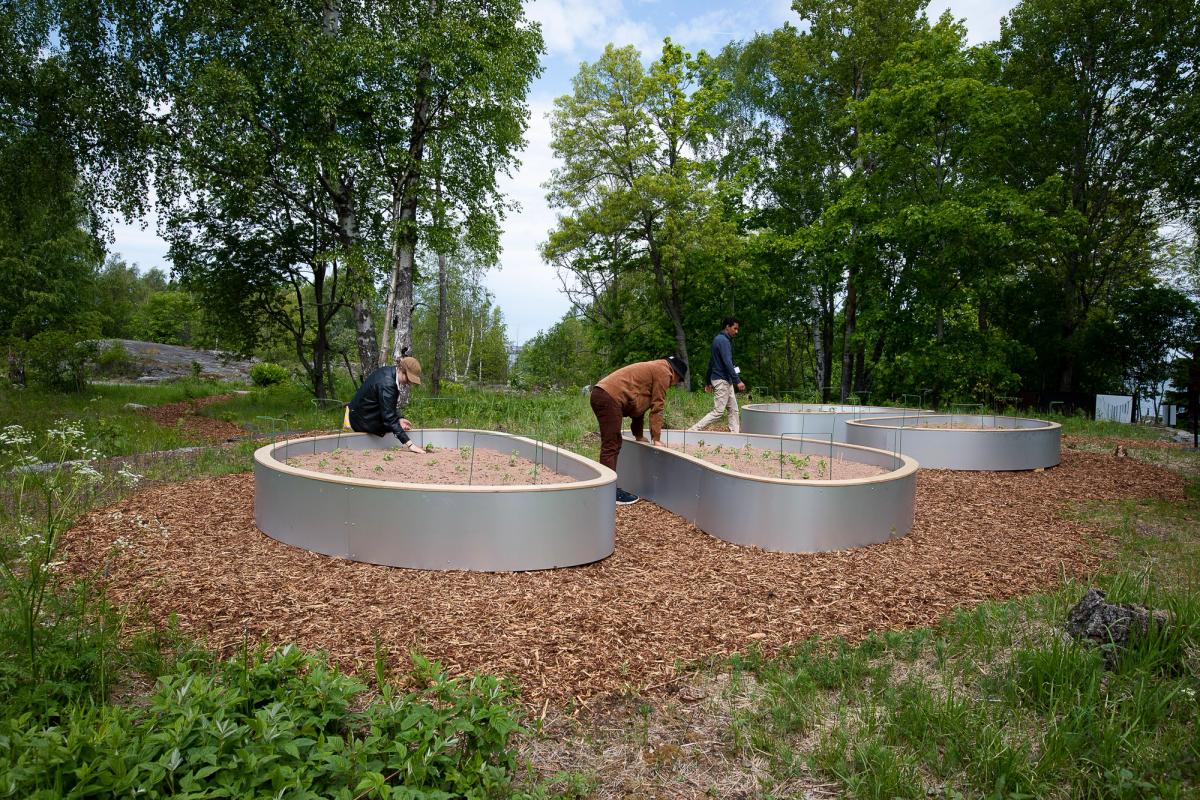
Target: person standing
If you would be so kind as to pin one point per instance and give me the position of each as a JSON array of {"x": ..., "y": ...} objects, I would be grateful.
[
  {"x": 373, "y": 409},
  {"x": 722, "y": 376},
  {"x": 631, "y": 391}
]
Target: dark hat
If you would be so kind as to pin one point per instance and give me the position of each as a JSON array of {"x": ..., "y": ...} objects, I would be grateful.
[{"x": 678, "y": 364}]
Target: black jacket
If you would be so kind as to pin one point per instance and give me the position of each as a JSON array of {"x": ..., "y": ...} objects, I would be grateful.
[{"x": 373, "y": 409}]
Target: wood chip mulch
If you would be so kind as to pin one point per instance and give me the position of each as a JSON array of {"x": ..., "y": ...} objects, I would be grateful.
[
  {"x": 669, "y": 596},
  {"x": 184, "y": 416}
]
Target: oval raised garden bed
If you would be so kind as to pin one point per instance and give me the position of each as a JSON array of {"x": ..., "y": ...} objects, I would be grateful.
[
  {"x": 808, "y": 419},
  {"x": 523, "y": 526},
  {"x": 793, "y": 515},
  {"x": 964, "y": 441}
]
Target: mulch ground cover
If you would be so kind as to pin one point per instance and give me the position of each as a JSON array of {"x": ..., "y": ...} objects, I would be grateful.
[
  {"x": 183, "y": 415},
  {"x": 669, "y": 596}
]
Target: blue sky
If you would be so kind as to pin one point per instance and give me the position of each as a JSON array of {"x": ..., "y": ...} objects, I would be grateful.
[{"x": 526, "y": 289}]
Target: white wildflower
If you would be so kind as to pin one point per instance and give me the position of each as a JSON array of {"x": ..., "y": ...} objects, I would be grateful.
[
  {"x": 87, "y": 473},
  {"x": 14, "y": 436},
  {"x": 128, "y": 476}
]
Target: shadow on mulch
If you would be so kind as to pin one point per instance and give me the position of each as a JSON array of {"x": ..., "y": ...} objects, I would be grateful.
[{"x": 669, "y": 597}]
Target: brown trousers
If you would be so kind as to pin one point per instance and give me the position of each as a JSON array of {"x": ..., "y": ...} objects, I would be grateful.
[{"x": 608, "y": 414}]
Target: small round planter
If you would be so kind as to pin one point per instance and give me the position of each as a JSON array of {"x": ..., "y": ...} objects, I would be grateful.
[
  {"x": 808, "y": 419},
  {"x": 979, "y": 442},
  {"x": 790, "y": 516},
  {"x": 437, "y": 527}
]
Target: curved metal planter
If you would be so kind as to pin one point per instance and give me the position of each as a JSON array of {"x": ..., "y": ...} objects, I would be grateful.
[
  {"x": 1021, "y": 444},
  {"x": 788, "y": 516},
  {"x": 428, "y": 526},
  {"x": 808, "y": 419}
]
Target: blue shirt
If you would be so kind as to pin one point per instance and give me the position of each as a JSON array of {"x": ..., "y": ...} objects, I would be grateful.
[{"x": 720, "y": 361}]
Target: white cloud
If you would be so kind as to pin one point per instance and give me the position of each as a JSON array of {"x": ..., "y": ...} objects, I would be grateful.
[
  {"x": 527, "y": 288},
  {"x": 982, "y": 16},
  {"x": 570, "y": 27}
]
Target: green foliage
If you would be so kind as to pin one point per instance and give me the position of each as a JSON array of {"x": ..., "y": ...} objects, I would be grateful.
[
  {"x": 115, "y": 360},
  {"x": 171, "y": 317},
  {"x": 263, "y": 725},
  {"x": 564, "y": 356},
  {"x": 268, "y": 374},
  {"x": 645, "y": 234},
  {"x": 58, "y": 360},
  {"x": 55, "y": 638}
]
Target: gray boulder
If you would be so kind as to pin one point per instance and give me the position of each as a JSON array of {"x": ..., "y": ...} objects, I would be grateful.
[{"x": 1111, "y": 626}]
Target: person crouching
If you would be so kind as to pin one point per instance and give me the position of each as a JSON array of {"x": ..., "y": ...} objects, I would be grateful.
[{"x": 373, "y": 409}]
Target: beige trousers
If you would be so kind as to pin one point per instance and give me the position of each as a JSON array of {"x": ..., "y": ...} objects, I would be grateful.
[{"x": 724, "y": 399}]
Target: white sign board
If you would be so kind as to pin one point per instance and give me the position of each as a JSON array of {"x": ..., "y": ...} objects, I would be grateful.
[{"x": 1114, "y": 407}]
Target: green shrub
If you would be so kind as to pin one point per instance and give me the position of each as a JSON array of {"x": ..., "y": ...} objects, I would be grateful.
[
  {"x": 282, "y": 725},
  {"x": 115, "y": 361},
  {"x": 268, "y": 374},
  {"x": 58, "y": 360}
]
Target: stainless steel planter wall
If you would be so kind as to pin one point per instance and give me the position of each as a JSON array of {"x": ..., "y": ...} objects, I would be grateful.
[
  {"x": 809, "y": 419},
  {"x": 427, "y": 526},
  {"x": 790, "y": 516},
  {"x": 999, "y": 443}
]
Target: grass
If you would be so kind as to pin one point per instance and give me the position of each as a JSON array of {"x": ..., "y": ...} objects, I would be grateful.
[
  {"x": 996, "y": 702},
  {"x": 100, "y": 411}
]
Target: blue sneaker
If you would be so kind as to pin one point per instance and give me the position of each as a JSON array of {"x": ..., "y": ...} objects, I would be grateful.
[{"x": 625, "y": 498}]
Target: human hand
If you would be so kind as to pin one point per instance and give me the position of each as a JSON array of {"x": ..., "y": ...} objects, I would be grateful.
[
  {"x": 708, "y": 388},
  {"x": 412, "y": 448},
  {"x": 741, "y": 387},
  {"x": 405, "y": 424}
]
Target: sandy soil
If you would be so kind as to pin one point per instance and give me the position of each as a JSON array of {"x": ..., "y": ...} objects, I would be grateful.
[
  {"x": 441, "y": 466},
  {"x": 669, "y": 596},
  {"x": 962, "y": 426},
  {"x": 763, "y": 463}
]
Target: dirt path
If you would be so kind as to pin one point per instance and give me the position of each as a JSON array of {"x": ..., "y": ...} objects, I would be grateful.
[
  {"x": 183, "y": 415},
  {"x": 670, "y": 594}
]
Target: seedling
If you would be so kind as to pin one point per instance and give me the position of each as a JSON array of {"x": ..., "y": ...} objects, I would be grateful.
[
  {"x": 464, "y": 452},
  {"x": 388, "y": 456},
  {"x": 428, "y": 447},
  {"x": 323, "y": 463},
  {"x": 379, "y": 468},
  {"x": 512, "y": 459}
]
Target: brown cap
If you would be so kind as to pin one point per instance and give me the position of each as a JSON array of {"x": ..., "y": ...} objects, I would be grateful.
[{"x": 412, "y": 369}]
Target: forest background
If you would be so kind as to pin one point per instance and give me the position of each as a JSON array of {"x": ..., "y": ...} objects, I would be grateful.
[{"x": 888, "y": 209}]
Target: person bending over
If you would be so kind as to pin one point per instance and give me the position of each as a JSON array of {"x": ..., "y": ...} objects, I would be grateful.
[
  {"x": 373, "y": 409},
  {"x": 631, "y": 391}
]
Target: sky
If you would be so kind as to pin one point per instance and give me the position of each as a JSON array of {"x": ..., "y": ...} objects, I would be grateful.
[{"x": 575, "y": 31}]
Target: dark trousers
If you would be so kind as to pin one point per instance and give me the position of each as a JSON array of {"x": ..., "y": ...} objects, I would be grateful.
[{"x": 608, "y": 414}]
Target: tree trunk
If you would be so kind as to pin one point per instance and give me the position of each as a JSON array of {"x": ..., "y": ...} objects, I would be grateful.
[
  {"x": 341, "y": 190},
  {"x": 848, "y": 333},
  {"x": 405, "y": 201},
  {"x": 670, "y": 301},
  {"x": 439, "y": 351}
]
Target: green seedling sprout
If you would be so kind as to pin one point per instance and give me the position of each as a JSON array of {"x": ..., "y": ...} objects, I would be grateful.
[{"x": 429, "y": 447}]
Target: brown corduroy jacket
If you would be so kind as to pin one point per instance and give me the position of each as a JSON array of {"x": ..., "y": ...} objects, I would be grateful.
[{"x": 639, "y": 388}]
